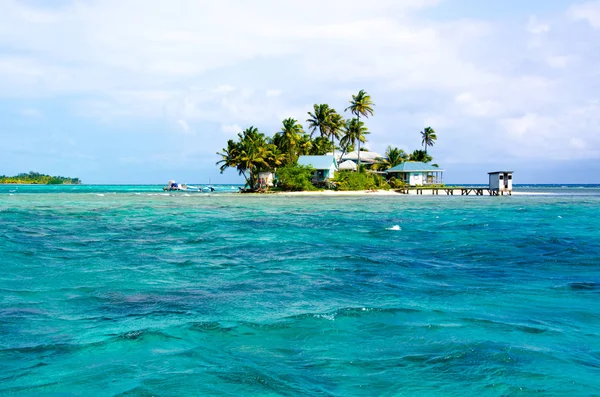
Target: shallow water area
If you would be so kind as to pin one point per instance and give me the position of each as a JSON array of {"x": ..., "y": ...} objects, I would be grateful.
[{"x": 128, "y": 290}]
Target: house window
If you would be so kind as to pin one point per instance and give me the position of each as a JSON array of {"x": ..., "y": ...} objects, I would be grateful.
[
  {"x": 501, "y": 177},
  {"x": 510, "y": 177}
]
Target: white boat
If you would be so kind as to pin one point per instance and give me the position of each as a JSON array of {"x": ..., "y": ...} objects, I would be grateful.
[{"x": 173, "y": 186}]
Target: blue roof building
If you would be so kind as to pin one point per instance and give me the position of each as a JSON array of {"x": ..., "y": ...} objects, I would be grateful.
[
  {"x": 416, "y": 173},
  {"x": 325, "y": 166}
]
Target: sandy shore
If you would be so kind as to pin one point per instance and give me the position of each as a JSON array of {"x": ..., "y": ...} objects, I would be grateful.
[{"x": 340, "y": 193}]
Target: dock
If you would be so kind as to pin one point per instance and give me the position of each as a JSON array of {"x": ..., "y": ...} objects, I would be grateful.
[{"x": 451, "y": 191}]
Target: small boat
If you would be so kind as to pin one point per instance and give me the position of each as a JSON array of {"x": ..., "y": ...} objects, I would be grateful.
[{"x": 174, "y": 186}]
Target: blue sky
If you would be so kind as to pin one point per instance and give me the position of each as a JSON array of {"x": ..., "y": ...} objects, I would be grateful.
[{"x": 143, "y": 91}]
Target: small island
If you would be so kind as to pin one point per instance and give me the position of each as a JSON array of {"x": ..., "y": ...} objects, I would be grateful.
[
  {"x": 329, "y": 156},
  {"x": 35, "y": 178}
]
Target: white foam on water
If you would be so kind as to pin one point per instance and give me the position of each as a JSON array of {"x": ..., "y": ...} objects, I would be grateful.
[
  {"x": 560, "y": 217},
  {"x": 99, "y": 195},
  {"x": 395, "y": 227},
  {"x": 329, "y": 317}
]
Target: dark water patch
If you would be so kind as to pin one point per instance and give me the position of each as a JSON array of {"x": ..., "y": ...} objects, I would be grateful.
[
  {"x": 145, "y": 335},
  {"x": 505, "y": 326},
  {"x": 584, "y": 286},
  {"x": 260, "y": 381},
  {"x": 138, "y": 392},
  {"x": 11, "y": 314}
]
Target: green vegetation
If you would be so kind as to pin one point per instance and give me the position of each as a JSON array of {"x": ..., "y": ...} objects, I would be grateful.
[
  {"x": 35, "y": 178},
  {"x": 254, "y": 152},
  {"x": 291, "y": 141},
  {"x": 361, "y": 105},
  {"x": 396, "y": 183},
  {"x": 420, "y": 155},
  {"x": 350, "y": 180},
  {"x": 251, "y": 154},
  {"x": 393, "y": 157},
  {"x": 295, "y": 178},
  {"x": 354, "y": 131},
  {"x": 429, "y": 137}
]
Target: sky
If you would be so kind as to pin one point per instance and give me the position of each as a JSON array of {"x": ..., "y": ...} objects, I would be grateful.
[{"x": 144, "y": 91}]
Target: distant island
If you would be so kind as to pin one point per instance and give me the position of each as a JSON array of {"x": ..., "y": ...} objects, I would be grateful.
[
  {"x": 35, "y": 178},
  {"x": 295, "y": 160}
]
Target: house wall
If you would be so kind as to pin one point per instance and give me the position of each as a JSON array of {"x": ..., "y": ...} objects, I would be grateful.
[
  {"x": 331, "y": 172},
  {"x": 494, "y": 182},
  {"x": 327, "y": 174},
  {"x": 415, "y": 179},
  {"x": 504, "y": 184},
  {"x": 267, "y": 177},
  {"x": 509, "y": 188}
]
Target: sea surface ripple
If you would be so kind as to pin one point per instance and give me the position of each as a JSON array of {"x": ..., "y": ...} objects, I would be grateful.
[{"x": 134, "y": 293}]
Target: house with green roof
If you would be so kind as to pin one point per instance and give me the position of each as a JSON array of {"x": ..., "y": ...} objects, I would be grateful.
[
  {"x": 415, "y": 173},
  {"x": 325, "y": 166}
]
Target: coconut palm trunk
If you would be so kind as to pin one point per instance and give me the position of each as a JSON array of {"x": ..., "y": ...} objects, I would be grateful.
[
  {"x": 358, "y": 152},
  {"x": 333, "y": 144}
]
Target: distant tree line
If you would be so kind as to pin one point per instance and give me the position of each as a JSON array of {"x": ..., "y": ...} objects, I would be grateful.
[{"x": 35, "y": 178}]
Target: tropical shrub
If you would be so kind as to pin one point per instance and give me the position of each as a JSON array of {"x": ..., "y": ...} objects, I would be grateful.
[
  {"x": 350, "y": 180},
  {"x": 295, "y": 178},
  {"x": 396, "y": 183}
]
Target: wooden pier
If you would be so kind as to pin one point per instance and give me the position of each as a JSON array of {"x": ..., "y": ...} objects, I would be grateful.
[{"x": 450, "y": 191}]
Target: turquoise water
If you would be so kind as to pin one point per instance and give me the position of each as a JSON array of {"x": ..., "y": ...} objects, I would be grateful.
[{"x": 125, "y": 291}]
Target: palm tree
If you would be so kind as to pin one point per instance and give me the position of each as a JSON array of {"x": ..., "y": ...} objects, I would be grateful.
[
  {"x": 354, "y": 131},
  {"x": 319, "y": 119},
  {"x": 304, "y": 144},
  {"x": 420, "y": 155},
  {"x": 288, "y": 139},
  {"x": 361, "y": 105},
  {"x": 252, "y": 153},
  {"x": 429, "y": 137},
  {"x": 393, "y": 157},
  {"x": 229, "y": 156},
  {"x": 335, "y": 125},
  {"x": 320, "y": 145}
]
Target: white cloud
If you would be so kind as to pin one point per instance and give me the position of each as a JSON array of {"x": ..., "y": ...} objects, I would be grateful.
[
  {"x": 185, "y": 127},
  {"x": 231, "y": 129},
  {"x": 31, "y": 113},
  {"x": 570, "y": 134},
  {"x": 535, "y": 26},
  {"x": 588, "y": 11},
  {"x": 223, "y": 66}
]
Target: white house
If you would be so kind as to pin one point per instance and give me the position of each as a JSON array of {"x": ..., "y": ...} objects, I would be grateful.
[
  {"x": 501, "y": 181},
  {"x": 347, "y": 165},
  {"x": 325, "y": 166},
  {"x": 365, "y": 157},
  {"x": 266, "y": 178},
  {"x": 416, "y": 173}
]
